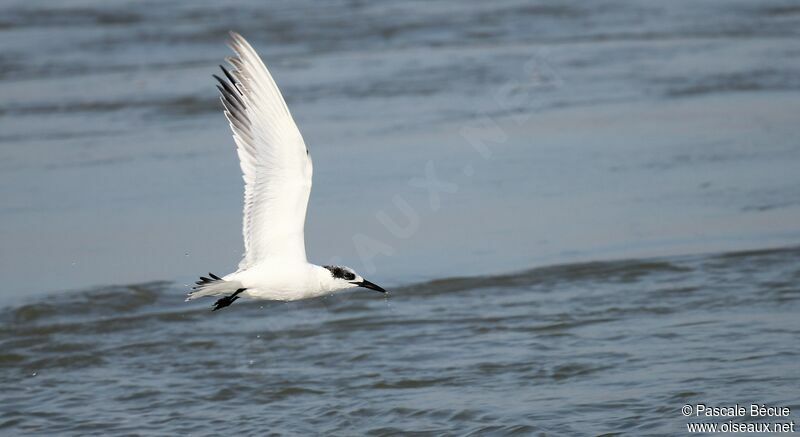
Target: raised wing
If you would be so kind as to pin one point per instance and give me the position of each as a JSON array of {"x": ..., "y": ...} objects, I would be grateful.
[{"x": 275, "y": 162}]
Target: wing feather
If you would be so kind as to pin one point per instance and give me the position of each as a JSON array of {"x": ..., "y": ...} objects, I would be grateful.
[{"x": 275, "y": 163}]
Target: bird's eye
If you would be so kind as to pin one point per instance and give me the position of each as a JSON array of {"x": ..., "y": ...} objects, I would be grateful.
[{"x": 340, "y": 273}]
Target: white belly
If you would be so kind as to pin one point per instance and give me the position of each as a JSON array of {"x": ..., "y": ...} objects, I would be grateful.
[{"x": 281, "y": 282}]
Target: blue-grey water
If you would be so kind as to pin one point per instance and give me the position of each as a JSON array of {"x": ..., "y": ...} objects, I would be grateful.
[
  {"x": 634, "y": 162},
  {"x": 582, "y": 349}
]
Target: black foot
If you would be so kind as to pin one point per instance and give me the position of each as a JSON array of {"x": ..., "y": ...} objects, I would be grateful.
[{"x": 227, "y": 300}]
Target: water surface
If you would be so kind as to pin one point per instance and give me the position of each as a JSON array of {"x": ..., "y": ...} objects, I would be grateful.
[
  {"x": 635, "y": 163},
  {"x": 578, "y": 349},
  {"x": 612, "y": 129}
]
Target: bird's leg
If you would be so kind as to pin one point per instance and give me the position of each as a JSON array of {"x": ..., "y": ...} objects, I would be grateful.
[{"x": 227, "y": 300}]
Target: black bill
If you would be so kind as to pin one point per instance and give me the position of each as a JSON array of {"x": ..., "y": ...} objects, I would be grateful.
[{"x": 370, "y": 285}]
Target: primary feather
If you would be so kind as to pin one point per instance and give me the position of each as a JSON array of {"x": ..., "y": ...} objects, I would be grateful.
[{"x": 275, "y": 162}]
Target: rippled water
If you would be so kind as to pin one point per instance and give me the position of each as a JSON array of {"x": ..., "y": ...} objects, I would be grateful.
[
  {"x": 652, "y": 132},
  {"x": 580, "y": 349},
  {"x": 626, "y": 129}
]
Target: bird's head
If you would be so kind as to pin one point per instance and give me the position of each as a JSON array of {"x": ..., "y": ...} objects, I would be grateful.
[{"x": 344, "y": 277}]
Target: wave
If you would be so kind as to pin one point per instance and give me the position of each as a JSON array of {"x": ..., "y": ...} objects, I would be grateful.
[{"x": 163, "y": 300}]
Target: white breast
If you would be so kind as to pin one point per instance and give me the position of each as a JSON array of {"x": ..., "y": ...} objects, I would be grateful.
[{"x": 282, "y": 281}]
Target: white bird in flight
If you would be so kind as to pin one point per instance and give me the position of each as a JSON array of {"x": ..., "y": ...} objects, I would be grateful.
[{"x": 277, "y": 170}]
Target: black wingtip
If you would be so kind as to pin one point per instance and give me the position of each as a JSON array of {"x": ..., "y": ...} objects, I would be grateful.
[
  {"x": 228, "y": 74},
  {"x": 204, "y": 280}
]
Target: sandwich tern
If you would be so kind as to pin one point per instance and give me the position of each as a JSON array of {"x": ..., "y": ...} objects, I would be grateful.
[{"x": 276, "y": 167}]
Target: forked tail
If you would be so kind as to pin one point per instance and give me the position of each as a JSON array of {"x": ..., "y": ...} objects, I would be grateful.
[{"x": 213, "y": 286}]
